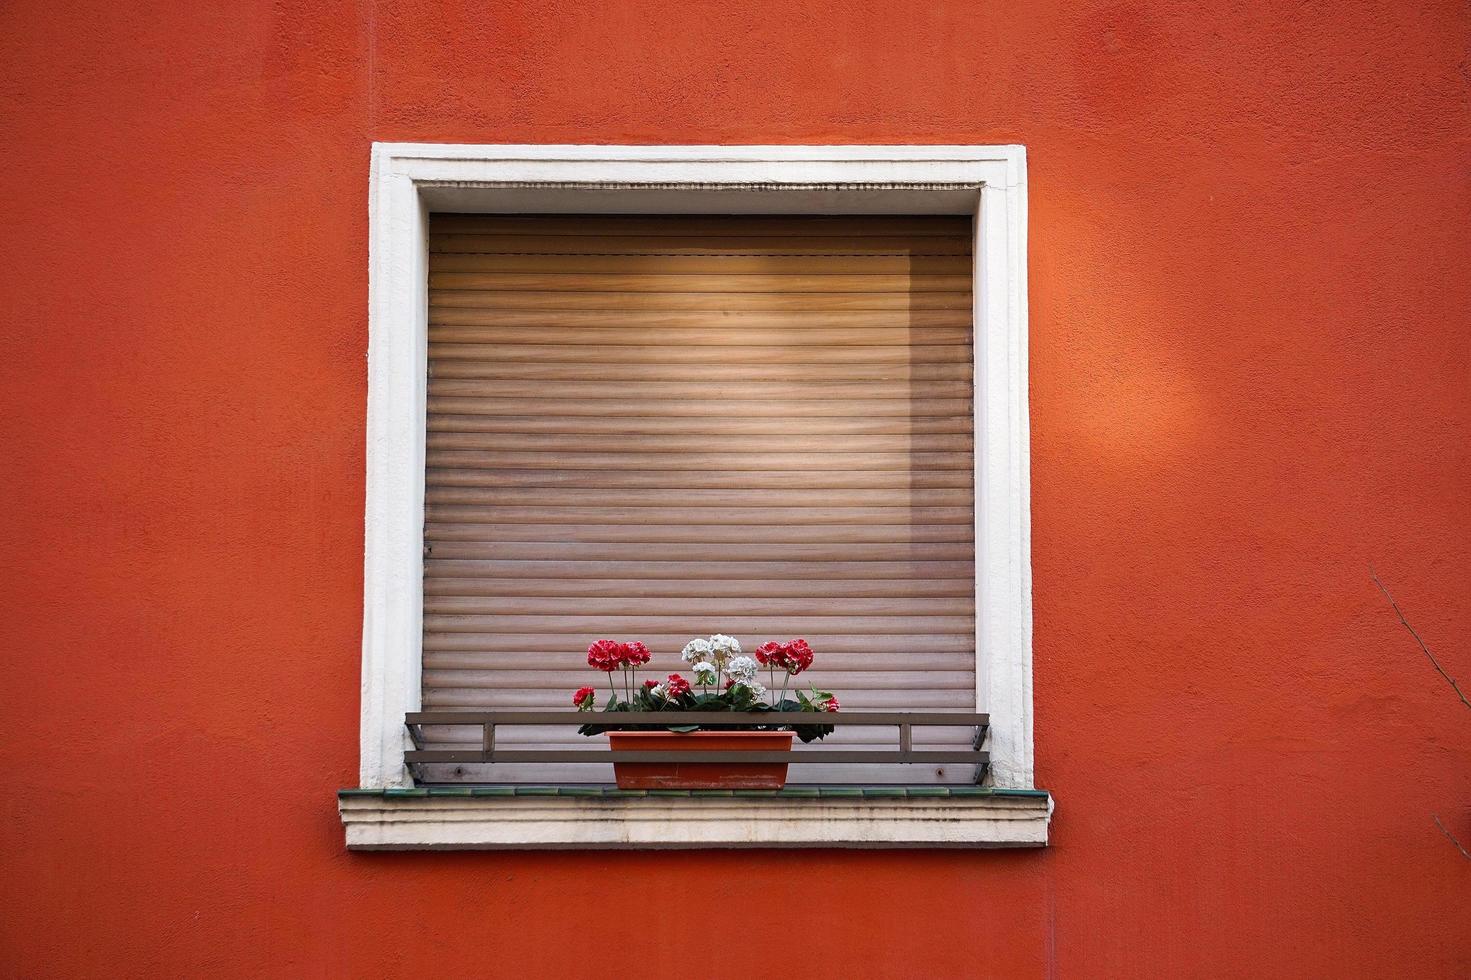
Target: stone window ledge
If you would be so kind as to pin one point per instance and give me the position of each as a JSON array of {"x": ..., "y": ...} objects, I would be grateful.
[{"x": 570, "y": 817}]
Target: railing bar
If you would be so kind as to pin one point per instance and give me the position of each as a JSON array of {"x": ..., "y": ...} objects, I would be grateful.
[
  {"x": 906, "y": 739},
  {"x": 664, "y": 719},
  {"x": 795, "y": 758},
  {"x": 487, "y": 741}
]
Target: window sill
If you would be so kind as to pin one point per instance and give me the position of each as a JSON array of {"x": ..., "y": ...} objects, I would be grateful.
[{"x": 568, "y": 817}]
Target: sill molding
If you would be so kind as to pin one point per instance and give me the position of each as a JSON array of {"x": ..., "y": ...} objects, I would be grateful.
[{"x": 561, "y": 818}]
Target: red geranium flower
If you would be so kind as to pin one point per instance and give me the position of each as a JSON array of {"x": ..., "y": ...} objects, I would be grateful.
[
  {"x": 650, "y": 683},
  {"x": 768, "y": 652},
  {"x": 798, "y": 654},
  {"x": 583, "y": 698},
  {"x": 678, "y": 686},
  {"x": 633, "y": 654},
  {"x": 793, "y": 657},
  {"x": 832, "y": 704},
  {"x": 603, "y": 655}
]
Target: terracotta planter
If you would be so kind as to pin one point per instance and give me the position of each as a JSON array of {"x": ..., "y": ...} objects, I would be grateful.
[{"x": 701, "y": 775}]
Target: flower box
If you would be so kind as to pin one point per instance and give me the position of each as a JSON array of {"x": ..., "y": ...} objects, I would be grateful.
[
  {"x": 714, "y": 774},
  {"x": 725, "y": 683}
]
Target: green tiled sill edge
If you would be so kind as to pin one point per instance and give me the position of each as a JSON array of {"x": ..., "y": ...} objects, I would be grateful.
[{"x": 789, "y": 793}]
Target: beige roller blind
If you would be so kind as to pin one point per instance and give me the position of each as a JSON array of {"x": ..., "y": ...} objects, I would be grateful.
[{"x": 657, "y": 428}]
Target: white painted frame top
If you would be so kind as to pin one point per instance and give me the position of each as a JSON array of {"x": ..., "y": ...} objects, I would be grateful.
[{"x": 409, "y": 180}]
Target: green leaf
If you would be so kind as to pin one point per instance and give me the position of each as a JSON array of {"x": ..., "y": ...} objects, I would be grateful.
[{"x": 812, "y": 733}]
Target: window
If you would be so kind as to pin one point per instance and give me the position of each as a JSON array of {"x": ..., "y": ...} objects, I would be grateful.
[
  {"x": 475, "y": 526},
  {"x": 663, "y": 427}
]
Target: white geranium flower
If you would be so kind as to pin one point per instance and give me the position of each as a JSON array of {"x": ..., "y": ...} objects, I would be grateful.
[
  {"x": 742, "y": 670},
  {"x": 697, "y": 652},
  {"x": 705, "y": 673},
  {"x": 660, "y": 691},
  {"x": 758, "y": 689},
  {"x": 724, "y": 647}
]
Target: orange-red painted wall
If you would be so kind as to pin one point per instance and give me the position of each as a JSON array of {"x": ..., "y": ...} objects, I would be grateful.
[{"x": 1251, "y": 377}]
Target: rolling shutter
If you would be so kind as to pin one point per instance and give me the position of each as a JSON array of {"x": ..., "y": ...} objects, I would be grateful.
[{"x": 657, "y": 428}]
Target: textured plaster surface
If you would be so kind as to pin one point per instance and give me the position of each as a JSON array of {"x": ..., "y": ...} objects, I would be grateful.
[{"x": 1250, "y": 254}]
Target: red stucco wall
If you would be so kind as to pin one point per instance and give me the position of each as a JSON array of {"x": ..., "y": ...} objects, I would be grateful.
[{"x": 1251, "y": 377}]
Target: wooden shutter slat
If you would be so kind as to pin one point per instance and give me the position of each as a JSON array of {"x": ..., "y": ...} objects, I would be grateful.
[
  {"x": 714, "y": 336},
  {"x": 732, "y": 374},
  {"x": 693, "y": 517},
  {"x": 726, "y": 607},
  {"x": 749, "y": 625},
  {"x": 750, "y": 405},
  {"x": 698, "y": 551},
  {"x": 641, "y": 393},
  {"x": 686, "y": 425},
  {"x": 528, "y": 459},
  {"x": 553, "y": 645},
  {"x": 655, "y": 428},
  {"x": 811, "y": 479},
  {"x": 694, "y": 322},
  {"x": 440, "y": 492},
  {"x": 770, "y": 407},
  {"x": 723, "y": 281},
  {"x": 630, "y": 574},
  {"x": 773, "y": 443},
  {"x": 676, "y": 354},
  {"x": 466, "y": 582},
  {"x": 856, "y": 660},
  {"x": 436, "y": 530},
  {"x": 955, "y": 699},
  {"x": 553, "y": 679},
  {"x": 722, "y": 265},
  {"x": 508, "y": 302},
  {"x": 699, "y": 245}
]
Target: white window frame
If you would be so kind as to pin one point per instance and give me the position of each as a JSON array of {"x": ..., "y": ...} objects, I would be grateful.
[{"x": 410, "y": 180}]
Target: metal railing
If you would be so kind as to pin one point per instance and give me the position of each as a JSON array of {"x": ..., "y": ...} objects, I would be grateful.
[{"x": 904, "y": 721}]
